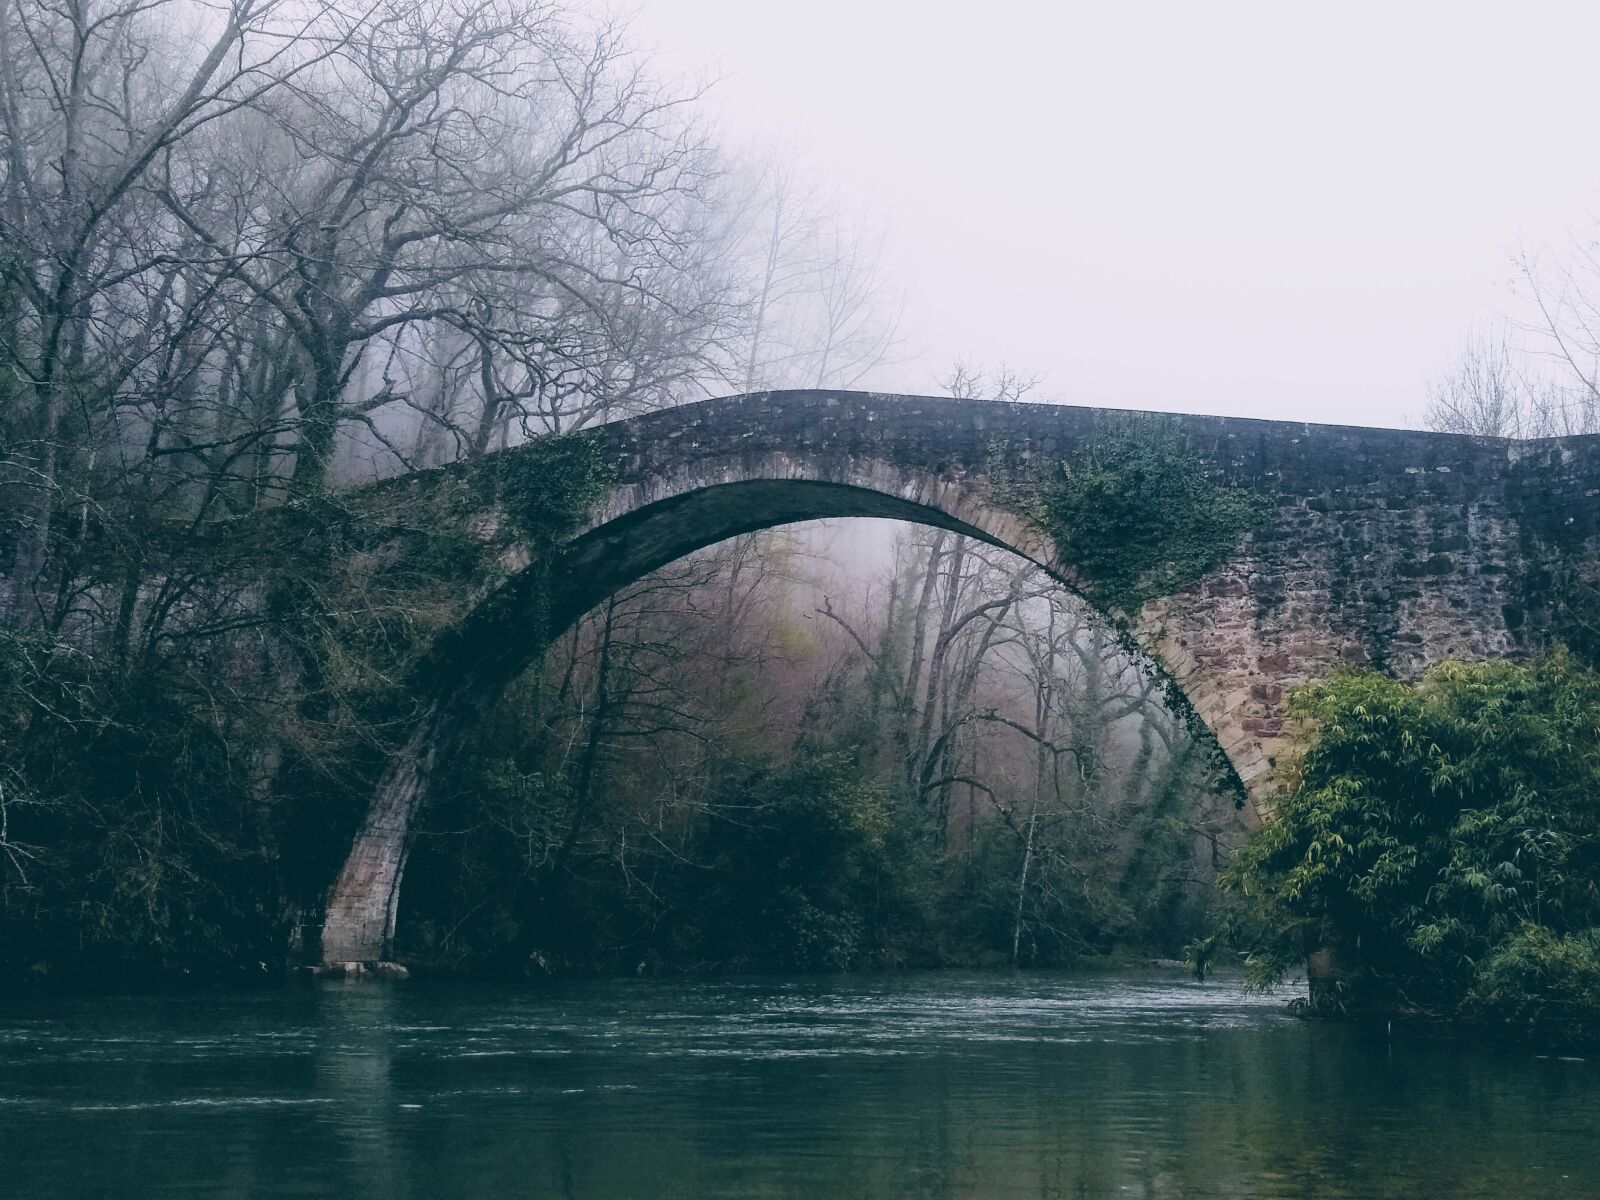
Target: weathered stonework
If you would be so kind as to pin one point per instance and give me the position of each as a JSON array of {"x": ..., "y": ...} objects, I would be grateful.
[{"x": 1379, "y": 547}]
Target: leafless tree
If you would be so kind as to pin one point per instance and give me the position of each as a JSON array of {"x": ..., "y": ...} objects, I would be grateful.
[
  {"x": 494, "y": 167},
  {"x": 93, "y": 99},
  {"x": 823, "y": 308},
  {"x": 1003, "y": 383},
  {"x": 1496, "y": 390},
  {"x": 1564, "y": 294}
]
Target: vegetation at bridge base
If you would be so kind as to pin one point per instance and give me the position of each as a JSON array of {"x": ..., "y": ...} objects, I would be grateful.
[
  {"x": 170, "y": 807},
  {"x": 801, "y": 864},
  {"x": 1137, "y": 513},
  {"x": 133, "y": 838},
  {"x": 494, "y": 224},
  {"x": 701, "y": 778},
  {"x": 1442, "y": 840}
]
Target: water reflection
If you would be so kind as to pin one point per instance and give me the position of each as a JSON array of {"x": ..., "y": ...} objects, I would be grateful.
[{"x": 929, "y": 1086}]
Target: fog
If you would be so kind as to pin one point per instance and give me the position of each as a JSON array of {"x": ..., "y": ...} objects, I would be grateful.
[{"x": 1252, "y": 209}]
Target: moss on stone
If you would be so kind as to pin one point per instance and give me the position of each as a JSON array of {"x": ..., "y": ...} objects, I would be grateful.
[
  {"x": 1136, "y": 513},
  {"x": 549, "y": 487}
]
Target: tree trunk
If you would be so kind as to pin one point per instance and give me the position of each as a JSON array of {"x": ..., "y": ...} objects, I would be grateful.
[
  {"x": 919, "y": 634},
  {"x": 34, "y": 552},
  {"x": 1022, "y": 885}
]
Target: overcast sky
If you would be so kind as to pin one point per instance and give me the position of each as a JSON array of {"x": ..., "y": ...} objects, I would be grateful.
[{"x": 1281, "y": 210}]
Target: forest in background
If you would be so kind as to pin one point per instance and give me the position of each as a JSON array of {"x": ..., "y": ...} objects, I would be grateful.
[
  {"x": 254, "y": 253},
  {"x": 257, "y": 253},
  {"x": 727, "y": 767}
]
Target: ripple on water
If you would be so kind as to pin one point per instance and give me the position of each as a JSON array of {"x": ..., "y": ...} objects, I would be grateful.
[{"x": 946, "y": 1086}]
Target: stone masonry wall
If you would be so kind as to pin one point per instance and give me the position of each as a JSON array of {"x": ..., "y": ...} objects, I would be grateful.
[{"x": 1388, "y": 548}]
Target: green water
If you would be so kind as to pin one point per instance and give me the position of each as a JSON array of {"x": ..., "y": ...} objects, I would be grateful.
[{"x": 918, "y": 1085}]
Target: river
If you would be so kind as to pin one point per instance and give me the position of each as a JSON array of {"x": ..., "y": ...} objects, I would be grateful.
[{"x": 936, "y": 1085}]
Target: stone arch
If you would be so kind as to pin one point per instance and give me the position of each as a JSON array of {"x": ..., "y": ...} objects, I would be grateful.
[
  {"x": 1390, "y": 548},
  {"x": 644, "y": 524}
]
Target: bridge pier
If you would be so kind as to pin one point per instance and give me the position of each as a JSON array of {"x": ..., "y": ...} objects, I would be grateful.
[{"x": 358, "y": 925}]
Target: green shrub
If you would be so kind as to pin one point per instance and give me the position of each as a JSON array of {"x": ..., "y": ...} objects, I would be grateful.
[
  {"x": 1539, "y": 978},
  {"x": 1443, "y": 837}
]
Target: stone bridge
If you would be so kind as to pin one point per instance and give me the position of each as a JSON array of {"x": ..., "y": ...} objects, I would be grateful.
[{"x": 1379, "y": 547}]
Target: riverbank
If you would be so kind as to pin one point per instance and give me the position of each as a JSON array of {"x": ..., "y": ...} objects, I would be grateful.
[{"x": 263, "y": 977}]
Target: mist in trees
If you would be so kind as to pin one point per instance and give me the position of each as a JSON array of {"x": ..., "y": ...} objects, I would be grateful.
[
  {"x": 255, "y": 253},
  {"x": 1535, "y": 373},
  {"x": 735, "y": 766},
  {"x": 323, "y": 242}
]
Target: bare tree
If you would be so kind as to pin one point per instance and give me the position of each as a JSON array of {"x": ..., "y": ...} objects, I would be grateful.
[
  {"x": 1564, "y": 294},
  {"x": 823, "y": 308},
  {"x": 969, "y": 380},
  {"x": 1538, "y": 376},
  {"x": 491, "y": 166},
  {"x": 93, "y": 97},
  {"x": 1495, "y": 390}
]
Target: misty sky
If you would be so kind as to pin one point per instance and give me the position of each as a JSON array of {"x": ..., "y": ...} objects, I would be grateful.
[{"x": 1280, "y": 210}]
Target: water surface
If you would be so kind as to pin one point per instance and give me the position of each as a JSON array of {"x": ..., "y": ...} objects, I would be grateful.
[{"x": 904, "y": 1086}]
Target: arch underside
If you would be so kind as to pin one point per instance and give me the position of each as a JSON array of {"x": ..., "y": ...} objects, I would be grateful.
[
  {"x": 504, "y": 635},
  {"x": 629, "y": 547},
  {"x": 632, "y": 544}
]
